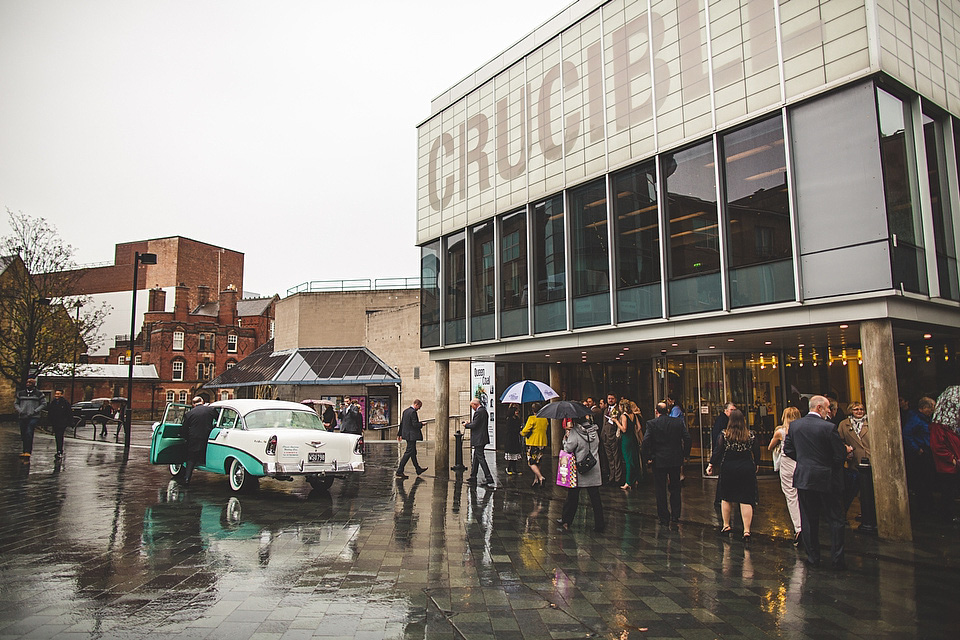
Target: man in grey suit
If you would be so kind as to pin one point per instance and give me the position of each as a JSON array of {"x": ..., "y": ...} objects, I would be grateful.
[
  {"x": 666, "y": 443},
  {"x": 814, "y": 443},
  {"x": 479, "y": 438}
]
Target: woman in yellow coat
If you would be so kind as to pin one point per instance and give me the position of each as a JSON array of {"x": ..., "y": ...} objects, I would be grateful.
[{"x": 535, "y": 431}]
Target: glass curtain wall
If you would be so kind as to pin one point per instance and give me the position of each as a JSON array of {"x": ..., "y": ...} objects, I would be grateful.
[
  {"x": 549, "y": 269},
  {"x": 757, "y": 210},
  {"x": 513, "y": 275},
  {"x": 590, "y": 255},
  {"x": 455, "y": 286},
  {"x": 482, "y": 284},
  {"x": 946, "y": 248},
  {"x": 637, "y": 228},
  {"x": 430, "y": 295},
  {"x": 694, "y": 243},
  {"x": 903, "y": 216}
]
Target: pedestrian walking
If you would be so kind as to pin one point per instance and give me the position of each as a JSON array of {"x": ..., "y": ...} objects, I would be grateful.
[
  {"x": 535, "y": 431},
  {"x": 479, "y": 439},
  {"x": 816, "y": 446},
  {"x": 513, "y": 445},
  {"x": 786, "y": 466},
  {"x": 736, "y": 458},
  {"x": 61, "y": 416},
  {"x": 29, "y": 402},
  {"x": 411, "y": 430},
  {"x": 581, "y": 440},
  {"x": 666, "y": 443}
]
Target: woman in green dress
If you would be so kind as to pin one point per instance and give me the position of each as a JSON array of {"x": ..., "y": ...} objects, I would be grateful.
[{"x": 629, "y": 424}]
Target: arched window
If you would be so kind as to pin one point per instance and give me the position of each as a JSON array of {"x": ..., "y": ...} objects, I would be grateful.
[{"x": 170, "y": 396}]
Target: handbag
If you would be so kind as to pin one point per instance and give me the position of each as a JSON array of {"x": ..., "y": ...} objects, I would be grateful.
[
  {"x": 567, "y": 471},
  {"x": 589, "y": 462}
]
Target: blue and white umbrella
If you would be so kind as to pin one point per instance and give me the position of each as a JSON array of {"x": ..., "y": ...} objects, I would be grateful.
[{"x": 528, "y": 391}]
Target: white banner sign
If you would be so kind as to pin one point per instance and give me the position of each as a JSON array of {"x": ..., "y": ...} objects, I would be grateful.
[{"x": 482, "y": 387}]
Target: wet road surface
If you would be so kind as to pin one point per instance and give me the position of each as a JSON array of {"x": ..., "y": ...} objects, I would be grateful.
[{"x": 101, "y": 548}]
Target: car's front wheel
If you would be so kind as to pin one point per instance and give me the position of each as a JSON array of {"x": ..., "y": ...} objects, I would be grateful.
[
  {"x": 320, "y": 483},
  {"x": 240, "y": 480},
  {"x": 176, "y": 469}
]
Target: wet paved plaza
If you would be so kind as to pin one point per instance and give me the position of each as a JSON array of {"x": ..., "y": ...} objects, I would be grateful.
[{"x": 102, "y": 548}]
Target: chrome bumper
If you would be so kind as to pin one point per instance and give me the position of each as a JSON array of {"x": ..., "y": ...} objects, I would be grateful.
[{"x": 302, "y": 469}]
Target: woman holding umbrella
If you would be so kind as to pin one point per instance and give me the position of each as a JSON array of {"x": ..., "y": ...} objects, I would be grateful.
[
  {"x": 581, "y": 440},
  {"x": 535, "y": 432}
]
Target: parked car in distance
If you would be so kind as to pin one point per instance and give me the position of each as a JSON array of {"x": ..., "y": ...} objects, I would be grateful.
[{"x": 253, "y": 439}]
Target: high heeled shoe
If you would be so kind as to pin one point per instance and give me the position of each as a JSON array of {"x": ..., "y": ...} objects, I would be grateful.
[
  {"x": 746, "y": 537},
  {"x": 726, "y": 532}
]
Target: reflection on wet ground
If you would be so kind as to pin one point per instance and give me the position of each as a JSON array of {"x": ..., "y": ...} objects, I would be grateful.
[{"x": 99, "y": 547}]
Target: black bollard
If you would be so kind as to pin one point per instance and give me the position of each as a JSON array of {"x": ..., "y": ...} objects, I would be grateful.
[
  {"x": 868, "y": 508},
  {"x": 458, "y": 456}
]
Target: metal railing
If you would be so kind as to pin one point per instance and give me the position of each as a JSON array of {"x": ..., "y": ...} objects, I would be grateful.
[{"x": 359, "y": 284}]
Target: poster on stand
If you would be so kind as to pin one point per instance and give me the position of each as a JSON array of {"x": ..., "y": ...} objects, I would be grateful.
[
  {"x": 482, "y": 384},
  {"x": 379, "y": 411}
]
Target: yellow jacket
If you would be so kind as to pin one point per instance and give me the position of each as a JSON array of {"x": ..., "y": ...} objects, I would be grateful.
[{"x": 537, "y": 430}]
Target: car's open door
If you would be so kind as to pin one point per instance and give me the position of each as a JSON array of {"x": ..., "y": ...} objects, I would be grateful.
[{"x": 168, "y": 446}]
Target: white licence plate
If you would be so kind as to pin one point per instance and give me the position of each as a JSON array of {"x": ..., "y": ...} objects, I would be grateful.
[{"x": 316, "y": 457}]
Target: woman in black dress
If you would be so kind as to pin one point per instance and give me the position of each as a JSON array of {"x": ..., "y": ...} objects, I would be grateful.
[
  {"x": 513, "y": 447},
  {"x": 736, "y": 455}
]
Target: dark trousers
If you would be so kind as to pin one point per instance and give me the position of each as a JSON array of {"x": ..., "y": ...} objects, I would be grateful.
[
  {"x": 27, "y": 427},
  {"x": 813, "y": 505},
  {"x": 573, "y": 500},
  {"x": 410, "y": 453},
  {"x": 920, "y": 479},
  {"x": 661, "y": 476},
  {"x": 58, "y": 432},
  {"x": 949, "y": 486},
  {"x": 480, "y": 461},
  {"x": 615, "y": 472}
]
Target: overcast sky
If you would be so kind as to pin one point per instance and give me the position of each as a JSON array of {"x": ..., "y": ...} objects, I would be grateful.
[{"x": 284, "y": 129}]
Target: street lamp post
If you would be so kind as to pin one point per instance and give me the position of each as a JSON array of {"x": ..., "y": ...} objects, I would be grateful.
[
  {"x": 138, "y": 259},
  {"x": 76, "y": 338}
]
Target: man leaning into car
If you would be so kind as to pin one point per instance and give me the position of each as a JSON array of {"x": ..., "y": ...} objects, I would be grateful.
[{"x": 197, "y": 425}]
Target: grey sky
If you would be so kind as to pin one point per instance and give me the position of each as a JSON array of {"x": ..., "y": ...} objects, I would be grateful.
[{"x": 282, "y": 129}]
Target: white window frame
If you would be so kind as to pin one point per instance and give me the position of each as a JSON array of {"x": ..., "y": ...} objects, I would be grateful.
[
  {"x": 232, "y": 341},
  {"x": 178, "y": 366},
  {"x": 121, "y": 359},
  {"x": 138, "y": 359},
  {"x": 183, "y": 397},
  {"x": 178, "y": 339},
  {"x": 170, "y": 396},
  {"x": 224, "y": 394}
]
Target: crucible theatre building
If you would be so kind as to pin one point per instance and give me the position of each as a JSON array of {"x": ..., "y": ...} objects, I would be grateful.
[{"x": 713, "y": 200}]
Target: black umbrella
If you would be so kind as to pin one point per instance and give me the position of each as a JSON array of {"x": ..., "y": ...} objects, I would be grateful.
[{"x": 563, "y": 409}]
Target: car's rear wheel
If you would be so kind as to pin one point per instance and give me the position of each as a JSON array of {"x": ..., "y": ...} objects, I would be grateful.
[
  {"x": 240, "y": 480},
  {"x": 320, "y": 483}
]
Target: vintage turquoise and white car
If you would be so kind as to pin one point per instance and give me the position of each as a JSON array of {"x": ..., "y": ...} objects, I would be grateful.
[{"x": 253, "y": 439}]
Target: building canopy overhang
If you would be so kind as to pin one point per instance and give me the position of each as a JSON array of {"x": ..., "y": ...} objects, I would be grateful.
[{"x": 307, "y": 366}]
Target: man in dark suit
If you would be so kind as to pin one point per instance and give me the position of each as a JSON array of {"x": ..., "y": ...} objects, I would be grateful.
[
  {"x": 814, "y": 443},
  {"x": 479, "y": 438},
  {"x": 411, "y": 430},
  {"x": 197, "y": 425},
  {"x": 665, "y": 444}
]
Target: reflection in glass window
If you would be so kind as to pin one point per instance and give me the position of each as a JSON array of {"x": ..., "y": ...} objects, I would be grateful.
[
  {"x": 636, "y": 223},
  {"x": 513, "y": 274},
  {"x": 758, "y": 215},
  {"x": 430, "y": 295},
  {"x": 589, "y": 255},
  {"x": 942, "y": 221},
  {"x": 482, "y": 284},
  {"x": 903, "y": 217},
  {"x": 455, "y": 290},
  {"x": 549, "y": 312},
  {"x": 693, "y": 264}
]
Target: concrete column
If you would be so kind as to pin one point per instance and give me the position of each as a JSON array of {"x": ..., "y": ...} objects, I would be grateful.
[
  {"x": 441, "y": 458},
  {"x": 556, "y": 426},
  {"x": 886, "y": 444}
]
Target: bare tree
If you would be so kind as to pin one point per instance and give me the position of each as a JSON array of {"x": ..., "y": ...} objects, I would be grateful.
[{"x": 37, "y": 284}]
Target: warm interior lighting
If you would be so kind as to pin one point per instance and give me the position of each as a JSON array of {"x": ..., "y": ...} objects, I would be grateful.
[{"x": 766, "y": 174}]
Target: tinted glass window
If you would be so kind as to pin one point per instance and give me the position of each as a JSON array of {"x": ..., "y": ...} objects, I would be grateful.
[
  {"x": 637, "y": 225},
  {"x": 940, "y": 207},
  {"x": 455, "y": 290},
  {"x": 482, "y": 287},
  {"x": 513, "y": 274},
  {"x": 590, "y": 255},
  {"x": 228, "y": 419},
  {"x": 548, "y": 266},
  {"x": 282, "y": 419},
  {"x": 430, "y": 295}
]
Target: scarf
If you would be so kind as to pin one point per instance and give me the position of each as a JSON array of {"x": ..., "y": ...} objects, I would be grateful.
[{"x": 857, "y": 424}]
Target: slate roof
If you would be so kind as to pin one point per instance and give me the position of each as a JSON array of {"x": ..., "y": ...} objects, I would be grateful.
[
  {"x": 245, "y": 308},
  {"x": 307, "y": 366}
]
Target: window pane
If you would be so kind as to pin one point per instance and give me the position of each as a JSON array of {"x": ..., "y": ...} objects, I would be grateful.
[
  {"x": 694, "y": 254},
  {"x": 455, "y": 287},
  {"x": 549, "y": 313},
  {"x": 637, "y": 225},
  {"x": 513, "y": 274},
  {"x": 430, "y": 295},
  {"x": 902, "y": 217},
  {"x": 590, "y": 255},
  {"x": 482, "y": 283},
  {"x": 942, "y": 221},
  {"x": 758, "y": 215}
]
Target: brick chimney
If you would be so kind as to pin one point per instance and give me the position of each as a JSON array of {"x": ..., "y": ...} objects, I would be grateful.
[
  {"x": 228, "y": 306},
  {"x": 181, "y": 303},
  {"x": 157, "y": 300},
  {"x": 203, "y": 295}
]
